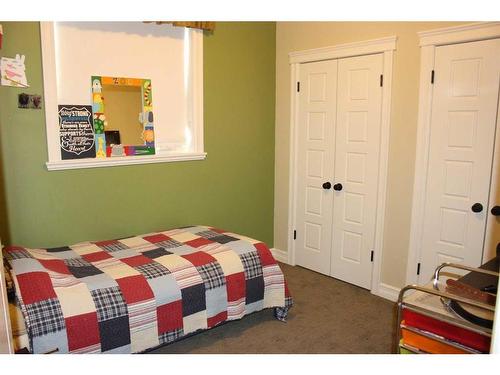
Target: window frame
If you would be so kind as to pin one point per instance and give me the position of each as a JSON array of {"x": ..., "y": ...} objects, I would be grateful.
[{"x": 194, "y": 99}]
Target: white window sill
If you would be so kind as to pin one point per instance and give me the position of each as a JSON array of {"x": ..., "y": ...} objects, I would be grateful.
[{"x": 125, "y": 160}]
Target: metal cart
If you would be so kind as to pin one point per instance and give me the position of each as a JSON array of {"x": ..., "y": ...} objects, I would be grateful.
[{"x": 443, "y": 313}]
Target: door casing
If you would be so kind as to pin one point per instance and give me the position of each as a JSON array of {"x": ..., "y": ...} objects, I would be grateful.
[
  {"x": 429, "y": 40},
  {"x": 386, "y": 46}
]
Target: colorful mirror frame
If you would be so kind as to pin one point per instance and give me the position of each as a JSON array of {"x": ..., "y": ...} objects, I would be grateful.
[{"x": 99, "y": 116}]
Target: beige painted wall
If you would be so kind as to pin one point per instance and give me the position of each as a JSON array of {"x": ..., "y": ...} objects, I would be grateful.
[{"x": 296, "y": 36}]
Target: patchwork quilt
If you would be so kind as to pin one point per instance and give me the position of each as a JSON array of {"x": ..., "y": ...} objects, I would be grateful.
[{"x": 132, "y": 294}]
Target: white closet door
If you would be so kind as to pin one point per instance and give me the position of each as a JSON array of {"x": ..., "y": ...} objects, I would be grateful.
[
  {"x": 464, "y": 109},
  {"x": 357, "y": 144},
  {"x": 315, "y": 153}
]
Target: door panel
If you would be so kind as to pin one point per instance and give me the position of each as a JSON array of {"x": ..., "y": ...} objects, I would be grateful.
[
  {"x": 315, "y": 158},
  {"x": 492, "y": 239},
  {"x": 357, "y": 143},
  {"x": 463, "y": 118}
]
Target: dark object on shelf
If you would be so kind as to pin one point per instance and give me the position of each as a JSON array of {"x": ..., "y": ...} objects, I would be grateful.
[
  {"x": 112, "y": 137},
  {"x": 482, "y": 282}
]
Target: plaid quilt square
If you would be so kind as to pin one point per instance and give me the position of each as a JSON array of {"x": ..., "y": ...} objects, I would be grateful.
[
  {"x": 45, "y": 317},
  {"x": 17, "y": 253},
  {"x": 109, "y": 303},
  {"x": 169, "y": 244},
  {"x": 208, "y": 234},
  {"x": 152, "y": 270},
  {"x": 251, "y": 265},
  {"x": 216, "y": 237},
  {"x": 156, "y": 253},
  {"x": 111, "y": 245},
  {"x": 170, "y": 336},
  {"x": 81, "y": 268},
  {"x": 212, "y": 275}
]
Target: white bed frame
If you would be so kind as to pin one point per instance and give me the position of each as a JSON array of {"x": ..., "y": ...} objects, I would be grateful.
[{"x": 6, "y": 345}]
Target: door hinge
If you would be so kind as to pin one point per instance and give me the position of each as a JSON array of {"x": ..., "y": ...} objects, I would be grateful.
[
  {"x": 294, "y": 234},
  {"x": 381, "y": 80},
  {"x": 371, "y": 256},
  {"x": 418, "y": 268},
  {"x": 298, "y": 86},
  {"x": 432, "y": 76}
]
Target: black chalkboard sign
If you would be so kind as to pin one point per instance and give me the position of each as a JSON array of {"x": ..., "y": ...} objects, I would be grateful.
[{"x": 76, "y": 132}]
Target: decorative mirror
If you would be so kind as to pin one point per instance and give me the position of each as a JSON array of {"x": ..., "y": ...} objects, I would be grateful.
[{"x": 123, "y": 116}]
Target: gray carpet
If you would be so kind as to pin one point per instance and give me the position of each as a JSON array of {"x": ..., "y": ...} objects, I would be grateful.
[{"x": 328, "y": 316}]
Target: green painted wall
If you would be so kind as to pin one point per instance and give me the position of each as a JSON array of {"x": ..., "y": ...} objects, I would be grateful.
[{"x": 231, "y": 189}]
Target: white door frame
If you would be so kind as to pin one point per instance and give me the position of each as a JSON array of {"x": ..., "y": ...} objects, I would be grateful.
[
  {"x": 429, "y": 40},
  {"x": 386, "y": 46}
]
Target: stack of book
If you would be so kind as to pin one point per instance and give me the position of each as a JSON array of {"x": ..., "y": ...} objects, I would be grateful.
[{"x": 427, "y": 326}]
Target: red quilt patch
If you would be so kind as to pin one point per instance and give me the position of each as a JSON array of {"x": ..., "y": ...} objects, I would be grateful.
[
  {"x": 55, "y": 265},
  {"x": 198, "y": 242},
  {"x": 135, "y": 289},
  {"x": 169, "y": 316},
  {"x": 138, "y": 260},
  {"x": 219, "y": 318},
  {"x": 82, "y": 331},
  {"x": 12, "y": 249},
  {"x": 217, "y": 230},
  {"x": 97, "y": 256},
  {"x": 157, "y": 238},
  {"x": 199, "y": 258},
  {"x": 35, "y": 286},
  {"x": 266, "y": 258},
  {"x": 236, "y": 287}
]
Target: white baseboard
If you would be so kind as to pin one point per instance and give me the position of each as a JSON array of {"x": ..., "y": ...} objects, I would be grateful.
[
  {"x": 387, "y": 291},
  {"x": 280, "y": 255}
]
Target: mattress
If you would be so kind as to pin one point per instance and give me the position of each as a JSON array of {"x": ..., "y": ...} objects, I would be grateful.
[{"x": 137, "y": 293}]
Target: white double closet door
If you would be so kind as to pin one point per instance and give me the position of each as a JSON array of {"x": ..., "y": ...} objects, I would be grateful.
[
  {"x": 338, "y": 147},
  {"x": 464, "y": 119}
]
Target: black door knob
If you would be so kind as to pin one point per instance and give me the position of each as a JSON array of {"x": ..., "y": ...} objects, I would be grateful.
[
  {"x": 477, "y": 207},
  {"x": 337, "y": 187},
  {"x": 495, "y": 211},
  {"x": 327, "y": 185}
]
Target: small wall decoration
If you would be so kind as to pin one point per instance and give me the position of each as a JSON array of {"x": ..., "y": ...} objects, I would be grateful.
[
  {"x": 122, "y": 107},
  {"x": 76, "y": 132},
  {"x": 13, "y": 72},
  {"x": 29, "y": 101}
]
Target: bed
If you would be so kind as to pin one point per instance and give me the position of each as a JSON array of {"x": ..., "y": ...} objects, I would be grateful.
[{"x": 134, "y": 294}]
